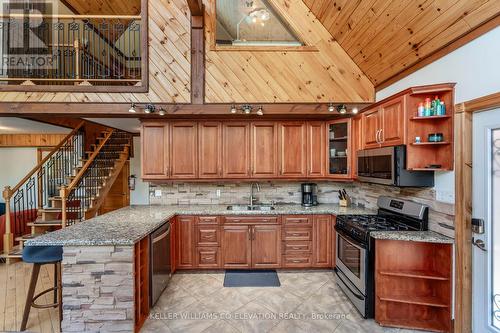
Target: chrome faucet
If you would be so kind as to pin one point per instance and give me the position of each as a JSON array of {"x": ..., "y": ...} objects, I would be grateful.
[{"x": 252, "y": 198}]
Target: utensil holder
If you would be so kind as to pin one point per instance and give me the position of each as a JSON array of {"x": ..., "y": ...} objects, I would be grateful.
[{"x": 345, "y": 203}]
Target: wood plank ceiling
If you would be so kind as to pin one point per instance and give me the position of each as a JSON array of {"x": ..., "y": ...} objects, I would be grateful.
[{"x": 385, "y": 37}]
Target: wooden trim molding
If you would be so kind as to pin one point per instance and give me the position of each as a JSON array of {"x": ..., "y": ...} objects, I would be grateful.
[
  {"x": 446, "y": 49},
  {"x": 463, "y": 206},
  {"x": 31, "y": 140}
]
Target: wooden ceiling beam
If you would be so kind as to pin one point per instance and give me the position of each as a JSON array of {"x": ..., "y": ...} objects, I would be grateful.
[{"x": 195, "y": 7}]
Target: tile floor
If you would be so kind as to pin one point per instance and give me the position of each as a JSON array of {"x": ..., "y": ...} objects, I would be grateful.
[{"x": 306, "y": 302}]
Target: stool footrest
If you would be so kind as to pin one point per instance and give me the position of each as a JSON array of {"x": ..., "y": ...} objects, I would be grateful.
[{"x": 44, "y": 306}]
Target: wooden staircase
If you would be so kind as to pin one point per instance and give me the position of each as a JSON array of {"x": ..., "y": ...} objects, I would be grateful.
[{"x": 76, "y": 198}]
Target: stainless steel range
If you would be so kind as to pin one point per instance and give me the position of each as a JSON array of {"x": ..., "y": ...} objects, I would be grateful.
[{"x": 355, "y": 252}]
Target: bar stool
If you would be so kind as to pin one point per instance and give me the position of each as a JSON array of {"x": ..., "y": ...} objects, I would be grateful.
[{"x": 38, "y": 256}]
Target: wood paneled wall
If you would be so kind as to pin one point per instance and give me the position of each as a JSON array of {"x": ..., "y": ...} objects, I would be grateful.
[
  {"x": 169, "y": 63},
  {"x": 321, "y": 75},
  {"x": 386, "y": 37},
  {"x": 30, "y": 140}
]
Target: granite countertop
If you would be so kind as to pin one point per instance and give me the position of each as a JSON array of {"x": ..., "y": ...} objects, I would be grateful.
[
  {"x": 413, "y": 236},
  {"x": 128, "y": 225}
]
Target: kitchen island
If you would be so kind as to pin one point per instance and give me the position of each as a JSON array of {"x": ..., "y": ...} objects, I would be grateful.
[{"x": 105, "y": 259}]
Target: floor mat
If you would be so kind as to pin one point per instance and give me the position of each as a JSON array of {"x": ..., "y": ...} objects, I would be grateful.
[{"x": 246, "y": 278}]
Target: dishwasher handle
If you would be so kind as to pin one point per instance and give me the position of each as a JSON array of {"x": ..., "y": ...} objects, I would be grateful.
[{"x": 162, "y": 235}]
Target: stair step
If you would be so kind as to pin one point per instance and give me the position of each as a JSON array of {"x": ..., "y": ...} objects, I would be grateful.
[
  {"x": 26, "y": 237},
  {"x": 50, "y": 210},
  {"x": 16, "y": 252},
  {"x": 55, "y": 223}
]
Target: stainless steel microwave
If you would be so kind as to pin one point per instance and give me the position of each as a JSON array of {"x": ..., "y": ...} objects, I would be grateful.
[{"x": 388, "y": 166}]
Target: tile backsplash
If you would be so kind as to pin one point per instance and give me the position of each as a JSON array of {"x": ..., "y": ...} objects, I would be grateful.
[{"x": 441, "y": 215}]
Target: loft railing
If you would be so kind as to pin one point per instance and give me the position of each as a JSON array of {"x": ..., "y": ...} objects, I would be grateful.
[
  {"x": 70, "y": 49},
  {"x": 43, "y": 182},
  {"x": 80, "y": 199}
]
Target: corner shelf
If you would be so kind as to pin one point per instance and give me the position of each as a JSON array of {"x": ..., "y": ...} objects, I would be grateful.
[
  {"x": 417, "y": 300},
  {"x": 446, "y": 116},
  {"x": 441, "y": 143},
  {"x": 417, "y": 274}
]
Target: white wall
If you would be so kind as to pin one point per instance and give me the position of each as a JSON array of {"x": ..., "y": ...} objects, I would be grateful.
[
  {"x": 475, "y": 67},
  {"x": 15, "y": 163},
  {"x": 140, "y": 196}
]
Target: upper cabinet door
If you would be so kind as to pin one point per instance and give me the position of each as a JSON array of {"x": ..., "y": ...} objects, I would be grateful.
[
  {"x": 371, "y": 125},
  {"x": 316, "y": 149},
  {"x": 236, "y": 146},
  {"x": 264, "y": 149},
  {"x": 393, "y": 118},
  {"x": 210, "y": 150},
  {"x": 184, "y": 150},
  {"x": 292, "y": 150},
  {"x": 339, "y": 148},
  {"x": 155, "y": 157}
]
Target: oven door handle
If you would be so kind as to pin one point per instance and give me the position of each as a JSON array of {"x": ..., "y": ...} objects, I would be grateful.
[
  {"x": 350, "y": 239},
  {"x": 358, "y": 296}
]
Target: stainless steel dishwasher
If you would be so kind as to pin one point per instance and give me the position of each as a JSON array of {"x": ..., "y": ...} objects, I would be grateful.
[{"x": 160, "y": 265}]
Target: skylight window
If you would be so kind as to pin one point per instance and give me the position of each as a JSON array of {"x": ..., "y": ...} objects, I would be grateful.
[{"x": 251, "y": 23}]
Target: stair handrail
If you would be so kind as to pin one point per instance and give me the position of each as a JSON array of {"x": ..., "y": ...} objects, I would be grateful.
[
  {"x": 8, "y": 192},
  {"x": 66, "y": 190}
]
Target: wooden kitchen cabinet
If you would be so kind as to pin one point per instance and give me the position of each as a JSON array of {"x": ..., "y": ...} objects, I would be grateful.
[
  {"x": 264, "y": 150},
  {"x": 316, "y": 149},
  {"x": 209, "y": 150},
  {"x": 266, "y": 246},
  {"x": 393, "y": 122},
  {"x": 339, "y": 149},
  {"x": 356, "y": 144},
  {"x": 236, "y": 246},
  {"x": 371, "y": 123},
  {"x": 322, "y": 241},
  {"x": 154, "y": 152},
  {"x": 185, "y": 242},
  {"x": 183, "y": 150},
  {"x": 384, "y": 125},
  {"x": 141, "y": 283},
  {"x": 236, "y": 150},
  {"x": 292, "y": 149}
]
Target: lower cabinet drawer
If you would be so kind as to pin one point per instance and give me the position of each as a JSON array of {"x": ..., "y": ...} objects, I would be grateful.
[
  {"x": 208, "y": 257},
  {"x": 297, "y": 260},
  {"x": 290, "y": 247},
  {"x": 297, "y": 234},
  {"x": 207, "y": 236}
]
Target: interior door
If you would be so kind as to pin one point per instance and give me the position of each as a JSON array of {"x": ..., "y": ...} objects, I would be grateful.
[
  {"x": 266, "y": 246},
  {"x": 264, "y": 150},
  {"x": 393, "y": 116},
  {"x": 183, "y": 150},
  {"x": 485, "y": 206},
  {"x": 236, "y": 245},
  {"x": 236, "y": 156},
  {"x": 371, "y": 125}
]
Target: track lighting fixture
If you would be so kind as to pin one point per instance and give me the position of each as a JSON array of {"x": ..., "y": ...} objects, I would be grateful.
[
  {"x": 246, "y": 109},
  {"x": 162, "y": 112},
  {"x": 342, "y": 109},
  {"x": 331, "y": 108},
  {"x": 132, "y": 108},
  {"x": 355, "y": 110},
  {"x": 260, "y": 111},
  {"x": 150, "y": 108}
]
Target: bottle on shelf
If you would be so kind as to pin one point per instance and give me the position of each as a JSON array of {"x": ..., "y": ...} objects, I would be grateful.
[
  {"x": 427, "y": 107},
  {"x": 421, "y": 109},
  {"x": 442, "y": 109}
]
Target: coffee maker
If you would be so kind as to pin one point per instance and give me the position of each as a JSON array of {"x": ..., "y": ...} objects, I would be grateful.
[{"x": 309, "y": 194}]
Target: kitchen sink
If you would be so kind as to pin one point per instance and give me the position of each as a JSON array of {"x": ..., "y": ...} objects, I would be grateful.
[{"x": 261, "y": 208}]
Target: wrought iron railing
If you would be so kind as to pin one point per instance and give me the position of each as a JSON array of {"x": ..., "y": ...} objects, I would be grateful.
[
  {"x": 41, "y": 183},
  {"x": 71, "y": 49},
  {"x": 81, "y": 196}
]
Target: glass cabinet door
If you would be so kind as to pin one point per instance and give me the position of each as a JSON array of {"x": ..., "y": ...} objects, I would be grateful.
[{"x": 338, "y": 148}]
